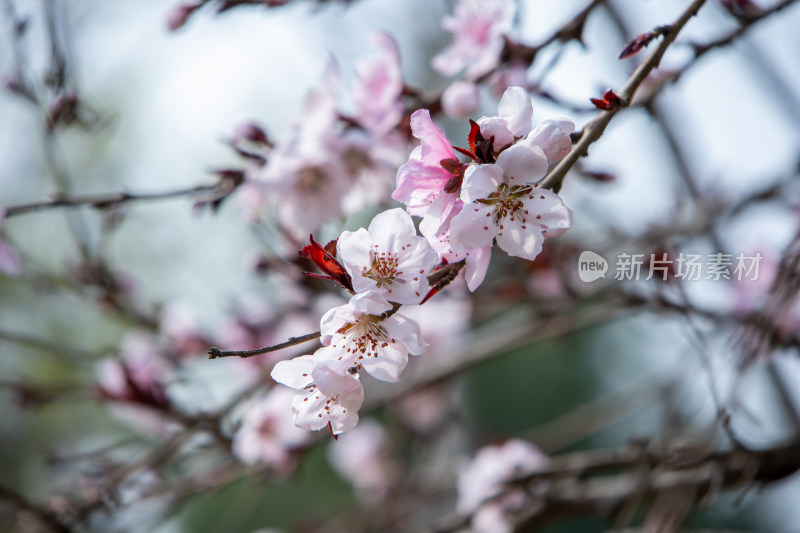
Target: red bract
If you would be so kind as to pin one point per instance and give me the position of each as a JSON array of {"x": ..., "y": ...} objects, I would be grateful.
[
  {"x": 636, "y": 44},
  {"x": 481, "y": 149},
  {"x": 609, "y": 101},
  {"x": 325, "y": 259}
]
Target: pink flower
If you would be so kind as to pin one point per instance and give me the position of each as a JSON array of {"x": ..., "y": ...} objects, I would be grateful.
[
  {"x": 9, "y": 258},
  {"x": 460, "y": 99},
  {"x": 478, "y": 27},
  {"x": 485, "y": 478},
  {"x": 358, "y": 336},
  {"x": 388, "y": 258},
  {"x": 304, "y": 180},
  {"x": 501, "y": 203},
  {"x": 421, "y": 180},
  {"x": 267, "y": 433},
  {"x": 328, "y": 397},
  {"x": 380, "y": 83}
]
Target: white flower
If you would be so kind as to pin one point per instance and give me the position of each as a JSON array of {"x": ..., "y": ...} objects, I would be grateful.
[
  {"x": 552, "y": 136},
  {"x": 501, "y": 203},
  {"x": 328, "y": 396},
  {"x": 268, "y": 434},
  {"x": 388, "y": 258},
  {"x": 357, "y": 336},
  {"x": 484, "y": 478},
  {"x": 513, "y": 120}
]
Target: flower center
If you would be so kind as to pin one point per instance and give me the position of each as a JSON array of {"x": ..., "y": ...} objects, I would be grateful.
[
  {"x": 383, "y": 270},
  {"x": 507, "y": 200},
  {"x": 310, "y": 180},
  {"x": 365, "y": 338}
]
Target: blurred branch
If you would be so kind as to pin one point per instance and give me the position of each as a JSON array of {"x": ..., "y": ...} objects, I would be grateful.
[
  {"x": 102, "y": 201},
  {"x": 45, "y": 517},
  {"x": 606, "y": 482},
  {"x": 701, "y": 50}
]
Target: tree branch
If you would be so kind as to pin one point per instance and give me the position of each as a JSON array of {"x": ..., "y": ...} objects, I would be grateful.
[{"x": 595, "y": 128}]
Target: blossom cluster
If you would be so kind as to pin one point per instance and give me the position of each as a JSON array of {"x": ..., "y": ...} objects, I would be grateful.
[
  {"x": 465, "y": 207},
  {"x": 331, "y": 164}
]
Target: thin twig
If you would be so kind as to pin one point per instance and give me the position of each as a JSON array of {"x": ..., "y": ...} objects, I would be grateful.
[
  {"x": 107, "y": 199},
  {"x": 215, "y": 353},
  {"x": 595, "y": 128}
]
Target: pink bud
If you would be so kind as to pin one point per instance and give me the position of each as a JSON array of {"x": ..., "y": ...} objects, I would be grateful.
[
  {"x": 460, "y": 99},
  {"x": 553, "y": 137}
]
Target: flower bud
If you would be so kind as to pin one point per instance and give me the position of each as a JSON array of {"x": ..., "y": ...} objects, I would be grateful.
[{"x": 460, "y": 99}]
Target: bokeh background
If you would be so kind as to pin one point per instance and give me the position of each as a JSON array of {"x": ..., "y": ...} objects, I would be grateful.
[{"x": 162, "y": 104}]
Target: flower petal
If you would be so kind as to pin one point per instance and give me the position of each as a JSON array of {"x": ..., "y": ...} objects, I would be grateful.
[
  {"x": 519, "y": 241},
  {"x": 523, "y": 163},
  {"x": 480, "y": 181},
  {"x": 295, "y": 373},
  {"x": 472, "y": 228},
  {"x": 407, "y": 332},
  {"x": 516, "y": 108}
]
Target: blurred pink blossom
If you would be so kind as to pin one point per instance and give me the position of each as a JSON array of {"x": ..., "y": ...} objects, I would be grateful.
[
  {"x": 478, "y": 28},
  {"x": 267, "y": 433},
  {"x": 376, "y": 95},
  {"x": 485, "y": 477},
  {"x": 361, "y": 457},
  {"x": 460, "y": 99}
]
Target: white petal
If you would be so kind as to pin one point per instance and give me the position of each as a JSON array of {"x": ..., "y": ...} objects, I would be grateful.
[
  {"x": 330, "y": 379},
  {"x": 438, "y": 214},
  {"x": 308, "y": 409},
  {"x": 498, "y": 128},
  {"x": 295, "y": 373},
  {"x": 516, "y": 108},
  {"x": 406, "y": 331},
  {"x": 472, "y": 228},
  {"x": 480, "y": 181},
  {"x": 518, "y": 241},
  {"x": 523, "y": 163},
  {"x": 554, "y": 216},
  {"x": 391, "y": 229},
  {"x": 334, "y": 320},
  {"x": 553, "y": 137},
  {"x": 477, "y": 264},
  {"x": 335, "y": 356},
  {"x": 369, "y": 303},
  {"x": 388, "y": 365},
  {"x": 344, "y": 412}
]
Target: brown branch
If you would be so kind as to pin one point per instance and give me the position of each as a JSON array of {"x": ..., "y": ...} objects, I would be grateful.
[
  {"x": 595, "y": 128},
  {"x": 215, "y": 353},
  {"x": 101, "y": 201},
  {"x": 602, "y": 483},
  {"x": 45, "y": 517}
]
